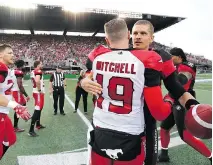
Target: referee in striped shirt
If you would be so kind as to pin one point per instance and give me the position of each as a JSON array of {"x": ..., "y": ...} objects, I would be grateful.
[{"x": 57, "y": 84}]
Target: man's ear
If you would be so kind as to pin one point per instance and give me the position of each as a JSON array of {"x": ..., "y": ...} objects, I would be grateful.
[
  {"x": 107, "y": 41},
  {"x": 129, "y": 35},
  {"x": 1, "y": 55}
]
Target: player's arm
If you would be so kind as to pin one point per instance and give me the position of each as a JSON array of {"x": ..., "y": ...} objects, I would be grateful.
[
  {"x": 51, "y": 84},
  {"x": 20, "y": 110},
  {"x": 184, "y": 77},
  {"x": 64, "y": 80},
  {"x": 172, "y": 84},
  {"x": 159, "y": 108},
  {"x": 3, "y": 74},
  {"x": 88, "y": 84},
  {"x": 21, "y": 87}
]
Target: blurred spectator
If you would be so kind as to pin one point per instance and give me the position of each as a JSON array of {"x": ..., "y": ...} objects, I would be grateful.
[{"x": 55, "y": 50}]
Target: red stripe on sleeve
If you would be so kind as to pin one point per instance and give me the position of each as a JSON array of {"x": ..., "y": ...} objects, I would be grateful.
[
  {"x": 159, "y": 109},
  {"x": 168, "y": 68}
]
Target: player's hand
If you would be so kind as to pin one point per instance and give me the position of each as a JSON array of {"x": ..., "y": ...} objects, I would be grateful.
[
  {"x": 50, "y": 90},
  {"x": 168, "y": 98},
  {"x": 28, "y": 98},
  {"x": 22, "y": 112},
  {"x": 90, "y": 86}
]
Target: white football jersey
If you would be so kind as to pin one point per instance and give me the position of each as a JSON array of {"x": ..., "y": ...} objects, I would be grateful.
[
  {"x": 6, "y": 90},
  {"x": 33, "y": 75},
  {"x": 15, "y": 86},
  {"x": 121, "y": 75}
]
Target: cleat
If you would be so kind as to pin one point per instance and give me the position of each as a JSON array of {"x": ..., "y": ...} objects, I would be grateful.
[
  {"x": 32, "y": 134},
  {"x": 18, "y": 129},
  {"x": 163, "y": 156},
  {"x": 40, "y": 127}
]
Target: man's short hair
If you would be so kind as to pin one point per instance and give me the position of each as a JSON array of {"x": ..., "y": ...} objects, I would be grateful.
[
  {"x": 116, "y": 29},
  {"x": 36, "y": 63},
  {"x": 19, "y": 63},
  {"x": 145, "y": 22},
  {"x": 4, "y": 46}
]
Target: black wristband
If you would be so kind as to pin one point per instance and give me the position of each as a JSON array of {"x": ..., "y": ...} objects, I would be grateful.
[{"x": 191, "y": 102}]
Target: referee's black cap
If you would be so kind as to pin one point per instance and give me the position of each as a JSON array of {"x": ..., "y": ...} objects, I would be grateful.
[{"x": 59, "y": 67}]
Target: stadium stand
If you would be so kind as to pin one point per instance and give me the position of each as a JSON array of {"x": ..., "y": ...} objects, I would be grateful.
[{"x": 56, "y": 50}]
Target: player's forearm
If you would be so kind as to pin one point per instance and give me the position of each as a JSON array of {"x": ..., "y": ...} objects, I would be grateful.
[
  {"x": 173, "y": 86},
  {"x": 65, "y": 82},
  {"x": 50, "y": 85},
  {"x": 3, "y": 101},
  {"x": 159, "y": 109},
  {"x": 21, "y": 88},
  {"x": 185, "y": 98}
]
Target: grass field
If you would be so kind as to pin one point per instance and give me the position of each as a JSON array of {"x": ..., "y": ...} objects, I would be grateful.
[{"x": 66, "y": 133}]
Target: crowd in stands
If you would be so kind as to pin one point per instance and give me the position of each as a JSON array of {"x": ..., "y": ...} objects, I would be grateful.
[{"x": 55, "y": 50}]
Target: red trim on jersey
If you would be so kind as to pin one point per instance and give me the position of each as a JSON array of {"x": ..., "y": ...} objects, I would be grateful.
[
  {"x": 159, "y": 109},
  {"x": 168, "y": 68},
  {"x": 18, "y": 73},
  {"x": 186, "y": 68},
  {"x": 3, "y": 72},
  {"x": 98, "y": 51},
  {"x": 150, "y": 59},
  {"x": 37, "y": 72},
  {"x": 2, "y": 78}
]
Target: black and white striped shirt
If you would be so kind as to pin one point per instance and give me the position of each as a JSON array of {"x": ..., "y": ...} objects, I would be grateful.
[{"x": 57, "y": 79}]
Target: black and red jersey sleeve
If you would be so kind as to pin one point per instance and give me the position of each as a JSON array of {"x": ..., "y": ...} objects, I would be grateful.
[
  {"x": 187, "y": 67},
  {"x": 168, "y": 66},
  {"x": 153, "y": 70},
  {"x": 19, "y": 73},
  {"x": 153, "y": 66},
  {"x": 3, "y": 72},
  {"x": 152, "y": 91}
]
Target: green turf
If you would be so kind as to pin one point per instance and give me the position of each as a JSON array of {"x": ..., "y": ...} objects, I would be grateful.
[
  {"x": 204, "y": 76},
  {"x": 65, "y": 133},
  {"x": 185, "y": 155}
]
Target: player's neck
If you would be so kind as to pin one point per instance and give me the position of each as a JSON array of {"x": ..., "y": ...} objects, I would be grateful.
[
  {"x": 120, "y": 45},
  {"x": 2, "y": 61}
]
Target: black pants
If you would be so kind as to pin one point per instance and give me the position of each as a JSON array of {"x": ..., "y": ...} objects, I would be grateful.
[
  {"x": 151, "y": 138},
  {"x": 79, "y": 91},
  {"x": 177, "y": 117},
  {"x": 58, "y": 92}
]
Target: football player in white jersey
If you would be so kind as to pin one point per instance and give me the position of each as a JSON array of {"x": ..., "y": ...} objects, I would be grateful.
[
  {"x": 7, "y": 134},
  {"x": 142, "y": 37},
  {"x": 19, "y": 93},
  {"x": 128, "y": 77},
  {"x": 38, "y": 95}
]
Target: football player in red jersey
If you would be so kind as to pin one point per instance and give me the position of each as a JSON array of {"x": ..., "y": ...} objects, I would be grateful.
[
  {"x": 186, "y": 76},
  {"x": 7, "y": 134},
  {"x": 142, "y": 37},
  {"x": 19, "y": 92},
  {"x": 128, "y": 77},
  {"x": 38, "y": 95}
]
